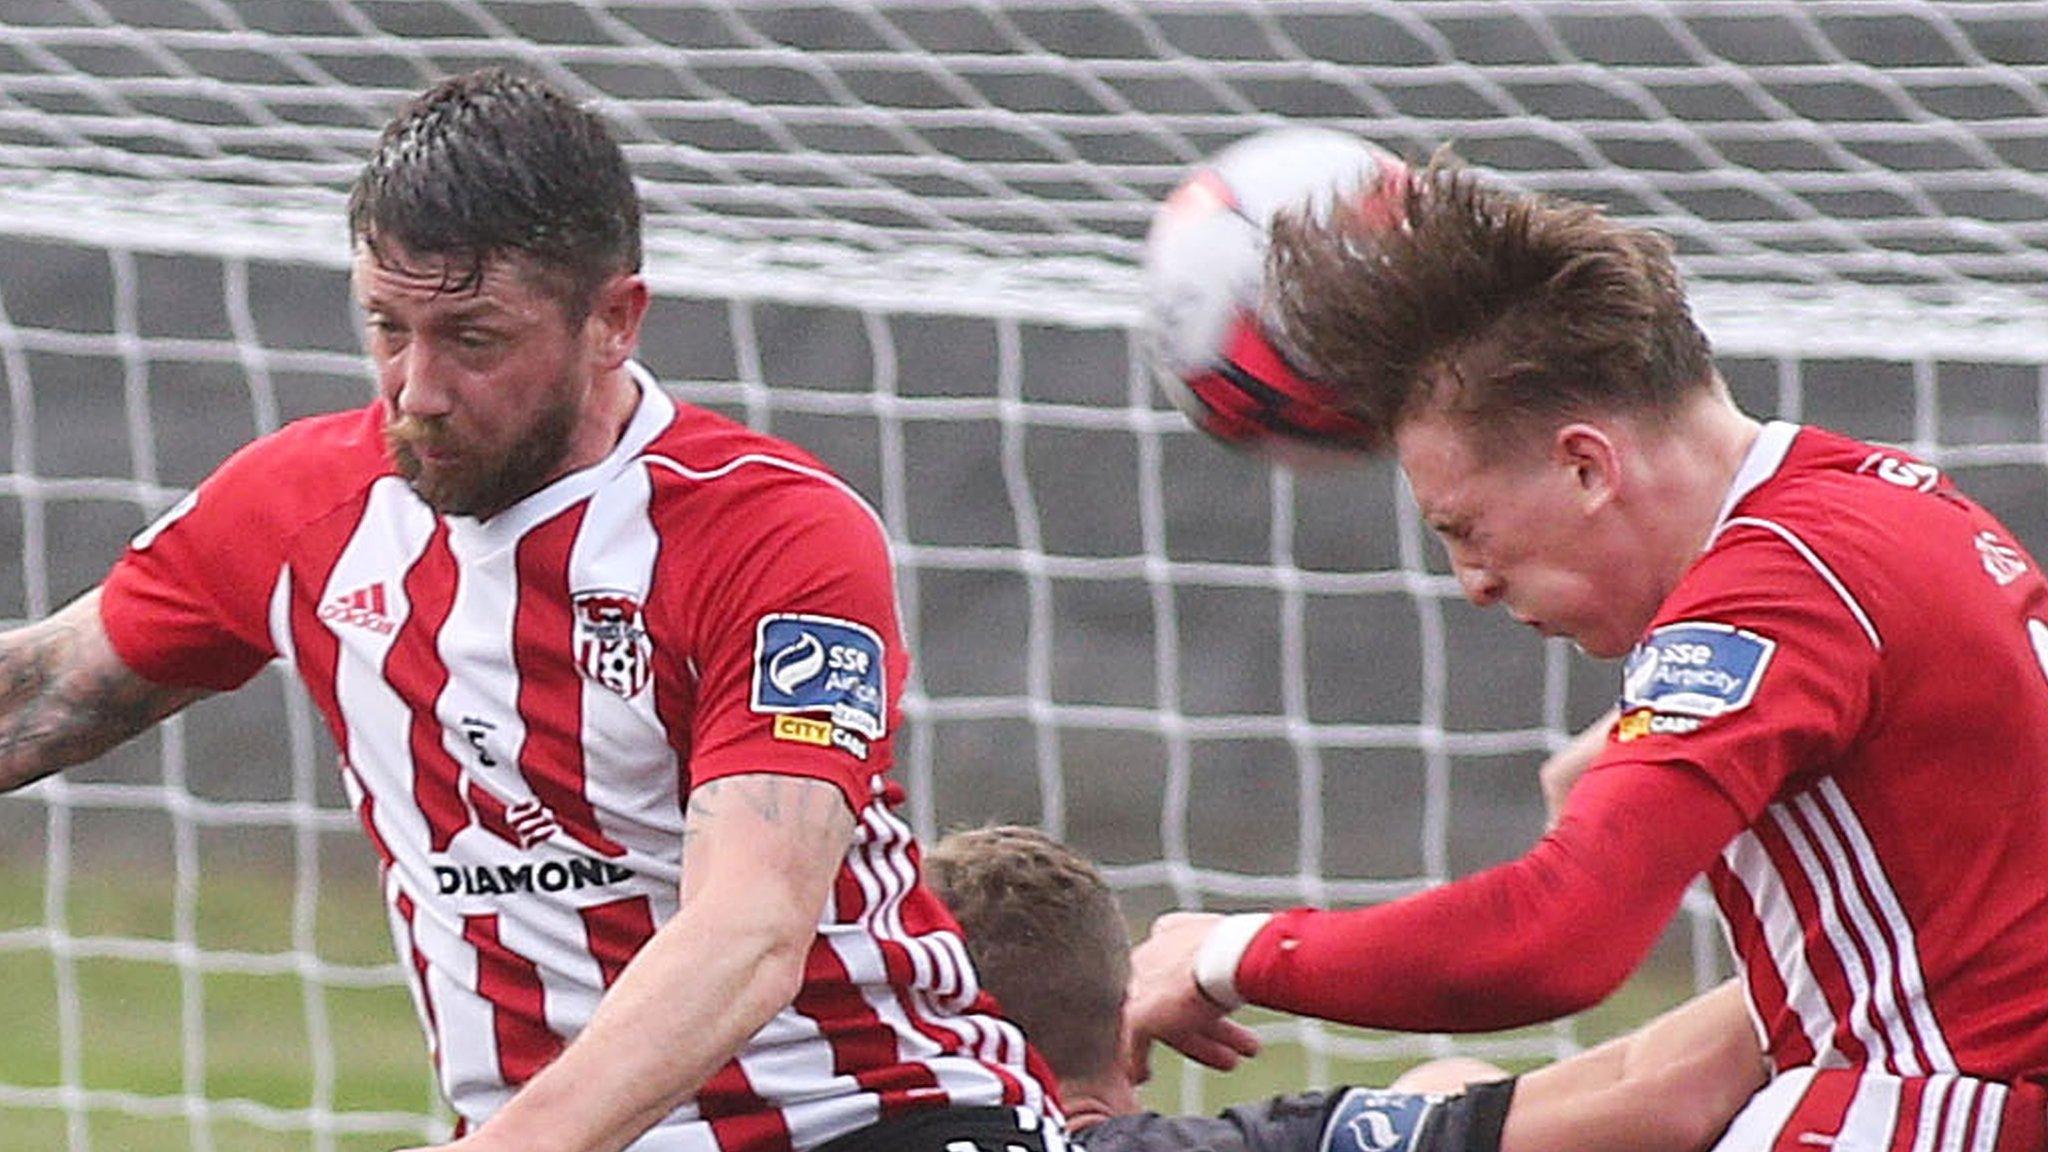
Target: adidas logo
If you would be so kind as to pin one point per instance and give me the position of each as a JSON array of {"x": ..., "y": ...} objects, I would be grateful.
[{"x": 362, "y": 608}]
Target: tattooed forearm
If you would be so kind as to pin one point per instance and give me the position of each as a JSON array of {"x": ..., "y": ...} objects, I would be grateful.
[{"x": 65, "y": 695}]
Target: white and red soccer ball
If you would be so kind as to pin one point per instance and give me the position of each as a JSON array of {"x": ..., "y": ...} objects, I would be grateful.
[{"x": 1204, "y": 267}]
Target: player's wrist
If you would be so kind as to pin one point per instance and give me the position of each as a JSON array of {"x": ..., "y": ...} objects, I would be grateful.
[{"x": 1217, "y": 959}]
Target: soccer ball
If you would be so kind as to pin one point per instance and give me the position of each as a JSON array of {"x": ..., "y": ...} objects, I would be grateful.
[{"x": 1204, "y": 266}]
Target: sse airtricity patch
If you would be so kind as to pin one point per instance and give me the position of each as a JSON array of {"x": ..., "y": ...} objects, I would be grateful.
[
  {"x": 1695, "y": 668},
  {"x": 1375, "y": 1120},
  {"x": 820, "y": 665}
]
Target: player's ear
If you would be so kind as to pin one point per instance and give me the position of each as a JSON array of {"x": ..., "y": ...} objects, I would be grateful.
[
  {"x": 1589, "y": 454},
  {"x": 615, "y": 315}
]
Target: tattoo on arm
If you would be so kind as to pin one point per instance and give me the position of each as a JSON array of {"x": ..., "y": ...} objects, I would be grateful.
[
  {"x": 66, "y": 696},
  {"x": 791, "y": 801},
  {"x": 763, "y": 832}
]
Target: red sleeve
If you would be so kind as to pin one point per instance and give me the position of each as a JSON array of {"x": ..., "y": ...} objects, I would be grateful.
[
  {"x": 189, "y": 602},
  {"x": 1541, "y": 937},
  {"x": 1760, "y": 668},
  {"x": 799, "y": 656}
]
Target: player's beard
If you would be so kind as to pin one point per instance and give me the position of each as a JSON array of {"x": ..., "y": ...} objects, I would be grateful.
[{"x": 474, "y": 485}]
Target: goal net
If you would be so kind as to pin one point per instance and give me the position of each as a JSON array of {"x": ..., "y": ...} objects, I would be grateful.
[{"x": 903, "y": 233}]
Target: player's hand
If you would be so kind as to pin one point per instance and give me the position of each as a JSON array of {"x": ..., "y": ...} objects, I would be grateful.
[
  {"x": 1567, "y": 764},
  {"x": 1165, "y": 1003}
]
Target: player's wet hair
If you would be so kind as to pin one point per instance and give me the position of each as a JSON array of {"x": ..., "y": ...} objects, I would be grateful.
[
  {"x": 1046, "y": 935},
  {"x": 1513, "y": 311},
  {"x": 491, "y": 164}
]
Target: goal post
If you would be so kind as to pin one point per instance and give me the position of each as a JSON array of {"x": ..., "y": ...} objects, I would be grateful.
[{"x": 903, "y": 233}]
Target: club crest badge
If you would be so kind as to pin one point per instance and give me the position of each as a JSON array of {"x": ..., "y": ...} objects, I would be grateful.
[{"x": 612, "y": 646}]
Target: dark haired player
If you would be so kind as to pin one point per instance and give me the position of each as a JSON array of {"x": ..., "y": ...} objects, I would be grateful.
[
  {"x": 1048, "y": 939},
  {"x": 613, "y": 681}
]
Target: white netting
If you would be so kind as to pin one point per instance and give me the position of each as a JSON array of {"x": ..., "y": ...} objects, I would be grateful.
[
  {"x": 1814, "y": 142},
  {"x": 902, "y": 232}
]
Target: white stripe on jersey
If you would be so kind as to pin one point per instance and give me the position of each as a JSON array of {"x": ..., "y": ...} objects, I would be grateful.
[
  {"x": 1933, "y": 1107},
  {"x": 403, "y": 940},
  {"x": 995, "y": 1040},
  {"x": 1951, "y": 1114},
  {"x": 882, "y": 865},
  {"x": 552, "y": 937},
  {"x": 1873, "y": 1115},
  {"x": 885, "y": 855},
  {"x": 615, "y": 550},
  {"x": 939, "y": 976},
  {"x": 1862, "y": 921},
  {"x": 1907, "y": 1058},
  {"x": 1832, "y": 893},
  {"x": 820, "y": 1104},
  {"x": 475, "y": 647},
  {"x": 1989, "y": 1113},
  {"x": 468, "y": 1023},
  {"x": 1756, "y": 1127},
  {"x": 1785, "y": 938},
  {"x": 1955, "y": 1121},
  {"x": 1933, "y": 1044},
  {"x": 378, "y": 721},
  {"x": 1820, "y": 566},
  {"x": 783, "y": 1038},
  {"x": 281, "y": 617},
  {"x": 1749, "y": 1008}
]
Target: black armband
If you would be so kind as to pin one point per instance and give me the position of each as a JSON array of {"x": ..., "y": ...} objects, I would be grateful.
[
  {"x": 1375, "y": 1120},
  {"x": 1483, "y": 1113}
]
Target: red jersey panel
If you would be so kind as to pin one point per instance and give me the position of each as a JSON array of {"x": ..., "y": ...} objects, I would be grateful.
[
  {"x": 1889, "y": 749},
  {"x": 522, "y": 705}
]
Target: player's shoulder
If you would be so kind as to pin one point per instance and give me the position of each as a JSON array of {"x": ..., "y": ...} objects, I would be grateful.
[
  {"x": 707, "y": 465},
  {"x": 1846, "y": 502},
  {"x": 306, "y": 468},
  {"x": 707, "y": 447},
  {"x": 1820, "y": 480},
  {"x": 1875, "y": 528}
]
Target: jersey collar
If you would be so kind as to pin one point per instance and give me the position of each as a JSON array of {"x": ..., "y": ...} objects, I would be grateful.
[{"x": 1762, "y": 462}]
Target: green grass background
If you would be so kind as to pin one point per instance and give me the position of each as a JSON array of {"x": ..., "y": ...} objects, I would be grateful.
[{"x": 131, "y": 1015}]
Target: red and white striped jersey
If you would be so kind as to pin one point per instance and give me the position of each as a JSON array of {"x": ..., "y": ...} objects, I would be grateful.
[
  {"x": 522, "y": 705},
  {"x": 1864, "y": 1110},
  {"x": 1859, "y": 663}
]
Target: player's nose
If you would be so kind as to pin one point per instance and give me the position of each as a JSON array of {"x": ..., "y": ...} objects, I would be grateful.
[
  {"x": 418, "y": 383},
  {"x": 1480, "y": 585}
]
